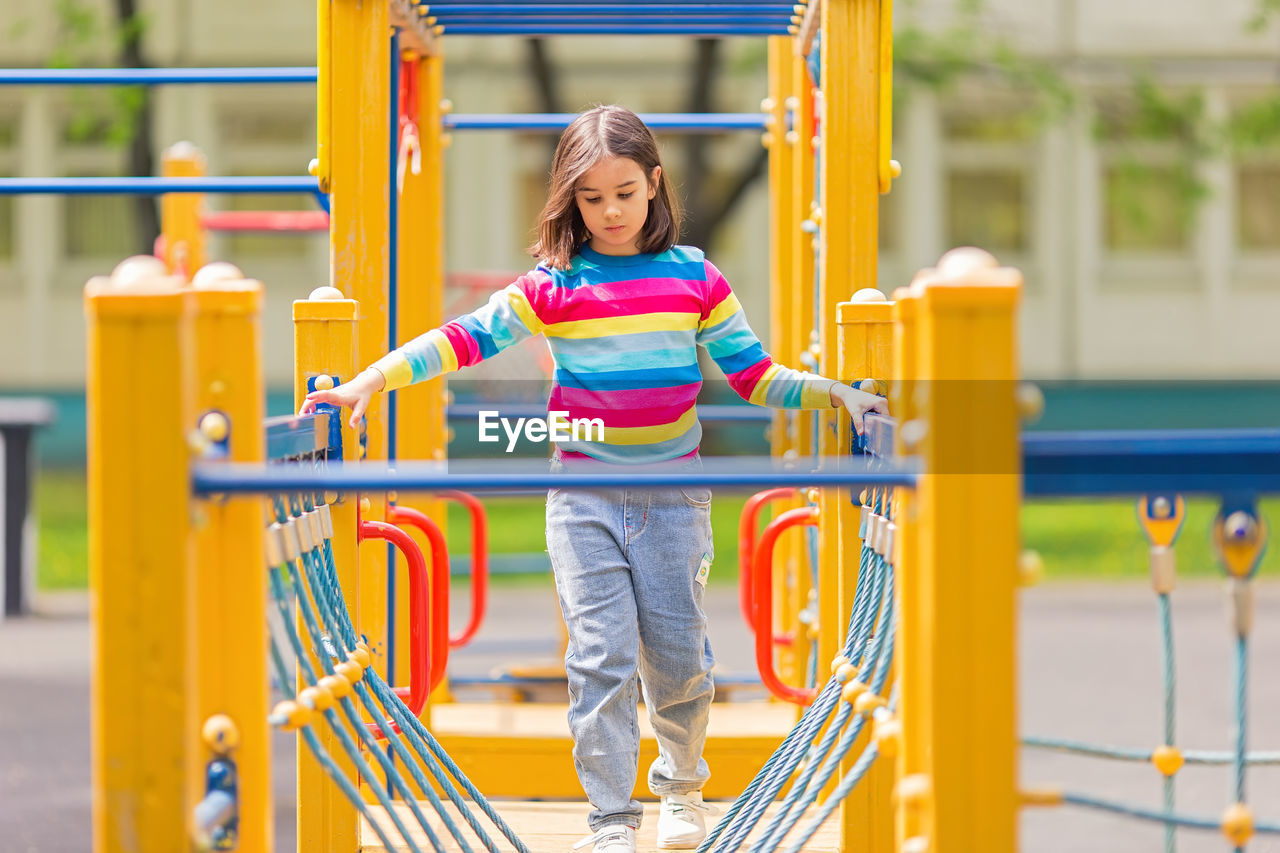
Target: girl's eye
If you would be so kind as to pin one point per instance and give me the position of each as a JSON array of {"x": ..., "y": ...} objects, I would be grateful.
[
  {"x": 591, "y": 200},
  {"x": 625, "y": 195}
]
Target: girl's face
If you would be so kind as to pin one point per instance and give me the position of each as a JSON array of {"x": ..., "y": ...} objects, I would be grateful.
[{"x": 613, "y": 198}]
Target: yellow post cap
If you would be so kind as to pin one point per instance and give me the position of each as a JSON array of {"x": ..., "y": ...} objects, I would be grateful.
[
  {"x": 1237, "y": 824},
  {"x": 1167, "y": 759},
  {"x": 220, "y": 733}
]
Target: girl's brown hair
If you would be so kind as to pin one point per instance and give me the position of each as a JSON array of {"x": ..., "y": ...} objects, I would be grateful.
[{"x": 595, "y": 135}]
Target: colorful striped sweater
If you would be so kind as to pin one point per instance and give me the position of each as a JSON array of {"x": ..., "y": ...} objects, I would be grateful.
[{"x": 623, "y": 332}]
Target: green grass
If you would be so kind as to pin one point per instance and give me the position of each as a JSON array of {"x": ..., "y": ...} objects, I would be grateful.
[
  {"x": 62, "y": 555},
  {"x": 1095, "y": 540}
]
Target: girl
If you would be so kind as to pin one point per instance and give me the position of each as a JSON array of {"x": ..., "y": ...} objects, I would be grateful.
[{"x": 622, "y": 308}]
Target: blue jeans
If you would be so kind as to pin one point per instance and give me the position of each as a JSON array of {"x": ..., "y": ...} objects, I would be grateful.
[{"x": 629, "y": 569}]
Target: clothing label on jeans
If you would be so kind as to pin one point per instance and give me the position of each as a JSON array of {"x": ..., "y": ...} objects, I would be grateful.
[{"x": 704, "y": 569}]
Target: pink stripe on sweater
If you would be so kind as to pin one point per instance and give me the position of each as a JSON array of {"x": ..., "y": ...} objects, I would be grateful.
[
  {"x": 745, "y": 380},
  {"x": 579, "y": 398},
  {"x": 617, "y": 299}
]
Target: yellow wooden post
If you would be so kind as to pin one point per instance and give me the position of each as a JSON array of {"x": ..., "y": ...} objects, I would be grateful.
[
  {"x": 800, "y": 317},
  {"x": 420, "y": 409},
  {"x": 968, "y": 500},
  {"x": 791, "y": 585},
  {"x": 324, "y": 343},
  {"x": 230, "y": 602},
  {"x": 184, "y": 238},
  {"x": 913, "y": 627},
  {"x": 850, "y": 221},
  {"x": 139, "y": 395},
  {"x": 865, "y": 336},
  {"x": 359, "y": 59}
]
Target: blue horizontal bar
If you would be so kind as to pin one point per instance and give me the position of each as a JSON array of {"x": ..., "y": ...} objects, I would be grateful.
[
  {"x": 152, "y": 76},
  {"x": 654, "y": 7},
  {"x": 638, "y": 29},
  {"x": 738, "y": 472},
  {"x": 1134, "y": 462},
  {"x": 460, "y": 411},
  {"x": 688, "y": 122},
  {"x": 158, "y": 186},
  {"x": 635, "y": 16}
]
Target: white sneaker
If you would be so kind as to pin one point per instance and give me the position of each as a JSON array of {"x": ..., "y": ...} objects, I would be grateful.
[
  {"x": 682, "y": 822},
  {"x": 614, "y": 838}
]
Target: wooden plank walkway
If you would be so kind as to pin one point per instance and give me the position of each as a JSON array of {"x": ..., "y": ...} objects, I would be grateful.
[{"x": 552, "y": 827}]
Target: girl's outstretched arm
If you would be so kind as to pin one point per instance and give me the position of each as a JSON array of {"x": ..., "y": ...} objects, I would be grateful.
[
  {"x": 357, "y": 393},
  {"x": 858, "y": 403}
]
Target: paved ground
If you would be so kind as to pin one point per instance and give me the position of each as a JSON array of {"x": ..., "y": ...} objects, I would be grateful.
[{"x": 1090, "y": 664}]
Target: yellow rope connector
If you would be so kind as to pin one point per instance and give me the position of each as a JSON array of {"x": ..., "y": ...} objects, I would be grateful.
[
  {"x": 349, "y": 670},
  {"x": 852, "y": 691},
  {"x": 1168, "y": 759},
  {"x": 317, "y": 698},
  {"x": 888, "y": 736},
  {"x": 837, "y": 662},
  {"x": 868, "y": 702},
  {"x": 1040, "y": 797},
  {"x": 1237, "y": 824},
  {"x": 361, "y": 655},
  {"x": 913, "y": 791},
  {"x": 338, "y": 688},
  {"x": 290, "y": 716},
  {"x": 221, "y": 734},
  {"x": 846, "y": 672}
]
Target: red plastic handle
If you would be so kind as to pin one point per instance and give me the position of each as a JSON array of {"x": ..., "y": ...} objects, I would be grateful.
[
  {"x": 747, "y": 545},
  {"x": 479, "y": 565},
  {"x": 419, "y": 653},
  {"x": 437, "y": 630},
  {"x": 265, "y": 220},
  {"x": 762, "y": 595}
]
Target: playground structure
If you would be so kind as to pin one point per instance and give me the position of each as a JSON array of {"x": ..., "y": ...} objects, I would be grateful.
[{"x": 944, "y": 347}]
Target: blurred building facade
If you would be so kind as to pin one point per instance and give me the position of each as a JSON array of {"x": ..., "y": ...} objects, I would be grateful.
[{"x": 1111, "y": 293}]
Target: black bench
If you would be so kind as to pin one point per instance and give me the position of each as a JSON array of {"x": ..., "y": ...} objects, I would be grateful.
[{"x": 20, "y": 417}]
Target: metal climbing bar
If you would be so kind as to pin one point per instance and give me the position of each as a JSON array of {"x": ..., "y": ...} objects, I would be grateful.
[
  {"x": 556, "y": 122},
  {"x": 604, "y": 28},
  {"x": 153, "y": 76},
  {"x": 426, "y": 476},
  {"x": 158, "y": 186},
  {"x": 1134, "y": 462}
]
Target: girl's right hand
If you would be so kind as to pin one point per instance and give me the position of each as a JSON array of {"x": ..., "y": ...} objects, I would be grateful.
[{"x": 357, "y": 393}]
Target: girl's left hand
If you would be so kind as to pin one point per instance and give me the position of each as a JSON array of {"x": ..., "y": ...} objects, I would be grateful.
[{"x": 857, "y": 403}]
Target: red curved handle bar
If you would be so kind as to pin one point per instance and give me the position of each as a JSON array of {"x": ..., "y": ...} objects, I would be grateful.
[
  {"x": 438, "y": 629},
  {"x": 762, "y": 594},
  {"x": 479, "y": 565},
  {"x": 747, "y": 545},
  {"x": 265, "y": 220},
  {"x": 419, "y": 654}
]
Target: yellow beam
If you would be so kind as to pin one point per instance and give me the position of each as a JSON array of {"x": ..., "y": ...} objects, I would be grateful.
[
  {"x": 184, "y": 238},
  {"x": 865, "y": 336},
  {"x": 230, "y": 612},
  {"x": 360, "y": 162},
  {"x": 324, "y": 344},
  {"x": 420, "y": 409},
  {"x": 968, "y": 502},
  {"x": 139, "y": 394}
]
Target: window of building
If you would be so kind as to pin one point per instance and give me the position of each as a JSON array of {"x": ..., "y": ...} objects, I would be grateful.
[
  {"x": 267, "y": 137},
  {"x": 1150, "y": 191},
  {"x": 8, "y": 168},
  {"x": 98, "y": 228},
  {"x": 989, "y": 148},
  {"x": 1258, "y": 205}
]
